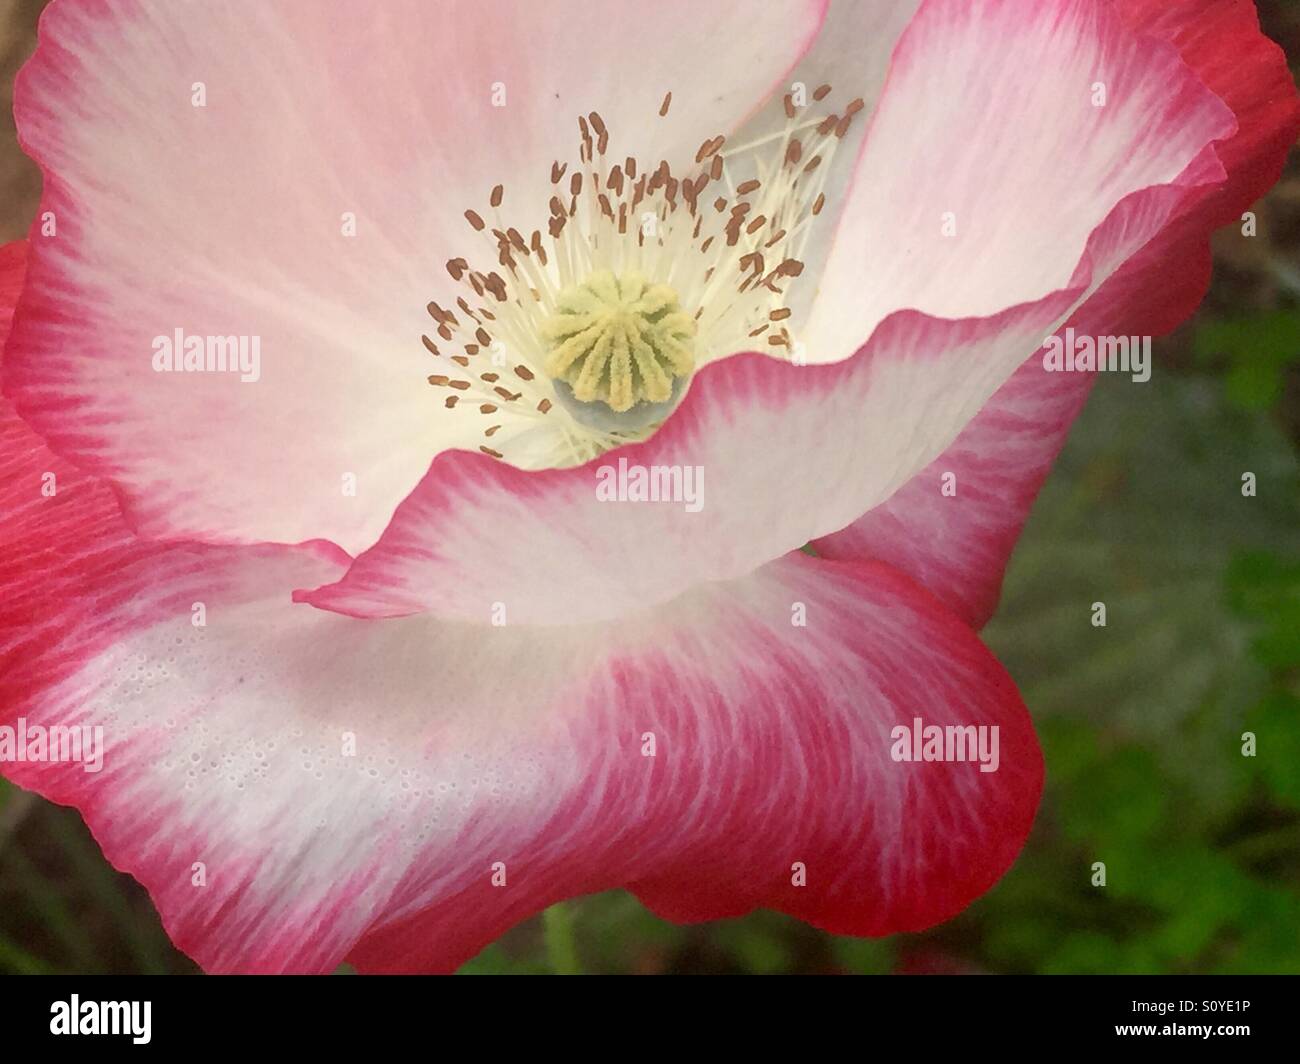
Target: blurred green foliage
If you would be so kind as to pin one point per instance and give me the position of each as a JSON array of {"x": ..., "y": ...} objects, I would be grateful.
[{"x": 1259, "y": 350}]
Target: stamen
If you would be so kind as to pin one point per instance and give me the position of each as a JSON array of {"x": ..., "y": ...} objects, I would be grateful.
[{"x": 632, "y": 284}]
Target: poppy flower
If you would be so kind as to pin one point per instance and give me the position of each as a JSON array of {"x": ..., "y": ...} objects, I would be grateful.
[{"x": 331, "y": 319}]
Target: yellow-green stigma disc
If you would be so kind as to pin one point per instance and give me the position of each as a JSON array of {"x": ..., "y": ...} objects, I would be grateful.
[{"x": 619, "y": 340}]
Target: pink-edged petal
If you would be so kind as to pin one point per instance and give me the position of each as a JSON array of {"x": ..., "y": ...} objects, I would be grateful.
[
  {"x": 790, "y": 453},
  {"x": 78, "y": 586},
  {"x": 958, "y": 544},
  {"x": 294, "y": 787},
  {"x": 1222, "y": 42},
  {"x": 989, "y": 162},
  {"x": 235, "y": 218},
  {"x": 953, "y": 526},
  {"x": 779, "y": 455},
  {"x": 771, "y": 756}
]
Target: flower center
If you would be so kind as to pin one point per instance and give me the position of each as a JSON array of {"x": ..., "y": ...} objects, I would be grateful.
[
  {"x": 619, "y": 340},
  {"x": 573, "y": 346}
]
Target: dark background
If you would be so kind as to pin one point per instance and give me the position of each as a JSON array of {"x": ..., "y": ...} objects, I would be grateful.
[{"x": 1140, "y": 721}]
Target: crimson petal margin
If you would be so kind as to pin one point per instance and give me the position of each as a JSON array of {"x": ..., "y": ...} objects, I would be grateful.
[{"x": 959, "y": 545}]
